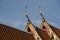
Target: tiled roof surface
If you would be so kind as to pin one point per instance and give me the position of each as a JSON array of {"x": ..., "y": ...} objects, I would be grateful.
[
  {"x": 9, "y": 33},
  {"x": 56, "y": 30},
  {"x": 43, "y": 34}
]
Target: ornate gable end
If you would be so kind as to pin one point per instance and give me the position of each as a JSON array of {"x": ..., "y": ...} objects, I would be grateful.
[
  {"x": 50, "y": 31},
  {"x": 31, "y": 28}
]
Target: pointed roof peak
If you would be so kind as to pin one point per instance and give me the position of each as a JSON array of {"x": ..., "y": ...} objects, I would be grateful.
[
  {"x": 40, "y": 11},
  {"x": 25, "y": 8},
  {"x": 26, "y": 14},
  {"x": 43, "y": 19},
  {"x": 41, "y": 15}
]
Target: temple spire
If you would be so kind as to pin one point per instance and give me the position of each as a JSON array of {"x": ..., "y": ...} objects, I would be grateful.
[
  {"x": 43, "y": 19},
  {"x": 26, "y": 10},
  {"x": 26, "y": 14},
  {"x": 40, "y": 9}
]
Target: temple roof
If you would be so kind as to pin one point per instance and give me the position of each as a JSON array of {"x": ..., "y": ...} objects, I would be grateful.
[
  {"x": 9, "y": 33},
  {"x": 44, "y": 35},
  {"x": 56, "y": 30}
]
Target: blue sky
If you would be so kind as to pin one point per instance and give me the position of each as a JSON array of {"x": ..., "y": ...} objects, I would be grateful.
[{"x": 12, "y": 12}]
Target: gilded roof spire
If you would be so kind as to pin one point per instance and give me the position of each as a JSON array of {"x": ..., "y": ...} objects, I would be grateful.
[
  {"x": 26, "y": 13},
  {"x": 43, "y": 19}
]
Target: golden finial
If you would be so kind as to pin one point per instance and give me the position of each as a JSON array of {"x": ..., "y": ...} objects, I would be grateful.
[
  {"x": 26, "y": 10},
  {"x": 43, "y": 19},
  {"x": 26, "y": 14},
  {"x": 40, "y": 9}
]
